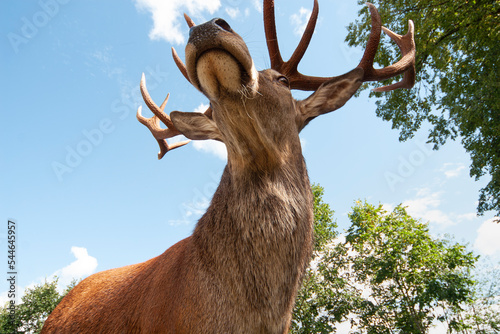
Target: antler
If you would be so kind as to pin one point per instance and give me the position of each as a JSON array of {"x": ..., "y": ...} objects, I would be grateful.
[
  {"x": 405, "y": 65},
  {"x": 289, "y": 68},
  {"x": 180, "y": 64},
  {"x": 304, "y": 82},
  {"x": 153, "y": 123},
  {"x": 177, "y": 59}
]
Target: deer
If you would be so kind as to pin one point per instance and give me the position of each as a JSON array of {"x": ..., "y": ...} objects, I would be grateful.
[{"x": 242, "y": 267}]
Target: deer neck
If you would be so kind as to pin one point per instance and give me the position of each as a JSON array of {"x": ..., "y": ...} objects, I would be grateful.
[
  {"x": 258, "y": 145},
  {"x": 270, "y": 212},
  {"x": 274, "y": 198},
  {"x": 255, "y": 240}
]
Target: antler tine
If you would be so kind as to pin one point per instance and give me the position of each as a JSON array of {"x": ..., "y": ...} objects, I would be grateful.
[
  {"x": 289, "y": 68},
  {"x": 271, "y": 36},
  {"x": 374, "y": 39},
  {"x": 306, "y": 38},
  {"x": 153, "y": 123},
  {"x": 180, "y": 64},
  {"x": 405, "y": 65},
  {"x": 189, "y": 22},
  {"x": 183, "y": 70},
  {"x": 154, "y": 108}
]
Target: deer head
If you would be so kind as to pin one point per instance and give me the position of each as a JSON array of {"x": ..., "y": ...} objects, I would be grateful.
[{"x": 253, "y": 112}]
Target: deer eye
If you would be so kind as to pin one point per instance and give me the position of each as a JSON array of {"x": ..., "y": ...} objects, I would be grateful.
[{"x": 284, "y": 81}]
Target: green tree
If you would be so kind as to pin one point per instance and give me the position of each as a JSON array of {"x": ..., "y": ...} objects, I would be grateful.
[
  {"x": 324, "y": 224},
  {"x": 318, "y": 296},
  {"x": 458, "y": 78},
  {"x": 36, "y": 305},
  {"x": 482, "y": 315},
  {"x": 387, "y": 276},
  {"x": 406, "y": 274}
]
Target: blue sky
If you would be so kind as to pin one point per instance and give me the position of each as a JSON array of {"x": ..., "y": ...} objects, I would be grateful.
[{"x": 81, "y": 177}]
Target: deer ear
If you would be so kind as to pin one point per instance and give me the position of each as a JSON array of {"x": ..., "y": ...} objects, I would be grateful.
[
  {"x": 330, "y": 96},
  {"x": 196, "y": 126}
]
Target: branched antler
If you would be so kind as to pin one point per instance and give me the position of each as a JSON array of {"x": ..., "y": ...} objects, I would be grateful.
[
  {"x": 153, "y": 123},
  {"x": 406, "y": 65},
  {"x": 289, "y": 68},
  {"x": 304, "y": 82}
]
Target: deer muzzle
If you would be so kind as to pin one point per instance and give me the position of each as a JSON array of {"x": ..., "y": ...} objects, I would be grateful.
[{"x": 218, "y": 61}]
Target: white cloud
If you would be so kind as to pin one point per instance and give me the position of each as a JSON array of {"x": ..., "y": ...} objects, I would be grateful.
[
  {"x": 488, "y": 236},
  {"x": 103, "y": 60},
  {"x": 389, "y": 207},
  {"x": 193, "y": 209},
  {"x": 233, "y": 12},
  {"x": 201, "y": 108},
  {"x": 210, "y": 146},
  {"x": 467, "y": 216},
  {"x": 299, "y": 21},
  {"x": 213, "y": 147},
  {"x": 167, "y": 16},
  {"x": 257, "y": 4},
  {"x": 452, "y": 170},
  {"x": 426, "y": 206},
  {"x": 102, "y": 55},
  {"x": 83, "y": 266}
]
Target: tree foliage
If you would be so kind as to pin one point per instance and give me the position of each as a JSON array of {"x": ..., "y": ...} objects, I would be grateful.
[
  {"x": 324, "y": 224},
  {"x": 405, "y": 273},
  {"x": 36, "y": 305},
  {"x": 320, "y": 299},
  {"x": 458, "y": 78},
  {"x": 482, "y": 316},
  {"x": 389, "y": 276}
]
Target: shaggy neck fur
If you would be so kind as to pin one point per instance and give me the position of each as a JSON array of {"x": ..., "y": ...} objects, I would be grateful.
[{"x": 259, "y": 226}]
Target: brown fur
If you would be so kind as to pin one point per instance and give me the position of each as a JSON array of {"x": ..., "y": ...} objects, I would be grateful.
[{"x": 238, "y": 273}]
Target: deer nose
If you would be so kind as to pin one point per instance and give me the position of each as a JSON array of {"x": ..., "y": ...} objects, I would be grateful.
[
  {"x": 222, "y": 24},
  {"x": 212, "y": 26}
]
